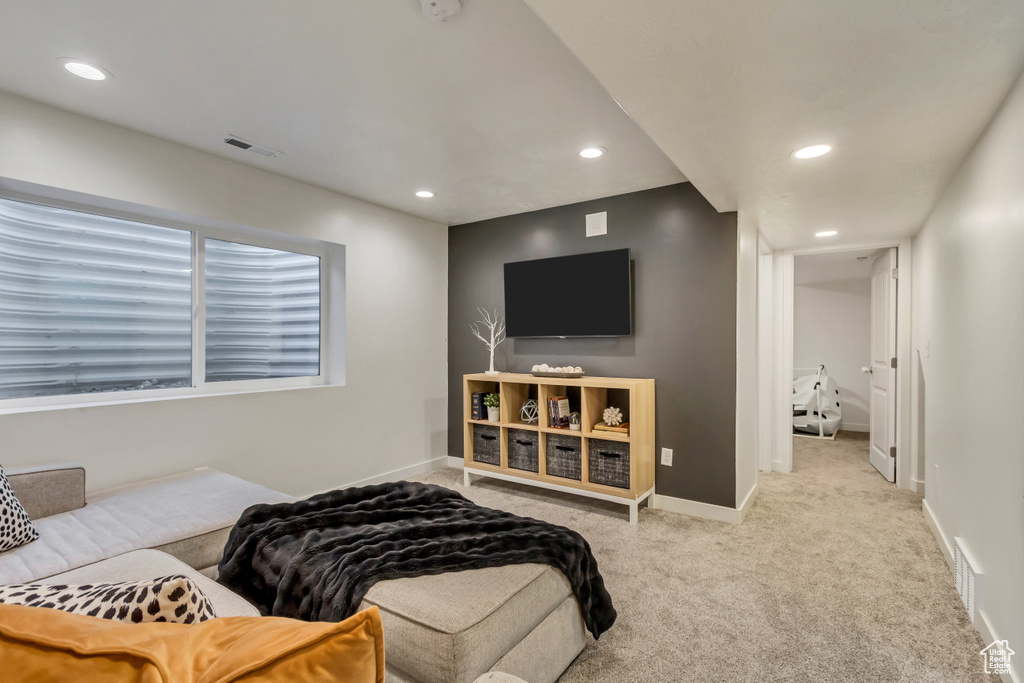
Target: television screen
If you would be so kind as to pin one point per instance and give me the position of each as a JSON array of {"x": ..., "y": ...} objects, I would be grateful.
[{"x": 588, "y": 295}]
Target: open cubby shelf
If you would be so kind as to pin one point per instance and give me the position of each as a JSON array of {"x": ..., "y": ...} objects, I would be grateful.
[{"x": 607, "y": 465}]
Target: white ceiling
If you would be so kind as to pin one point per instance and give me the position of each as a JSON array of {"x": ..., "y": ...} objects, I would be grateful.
[
  {"x": 728, "y": 88},
  {"x": 835, "y": 266},
  {"x": 368, "y": 98},
  {"x": 365, "y": 97}
]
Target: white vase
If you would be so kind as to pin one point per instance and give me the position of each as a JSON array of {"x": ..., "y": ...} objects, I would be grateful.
[{"x": 493, "y": 414}]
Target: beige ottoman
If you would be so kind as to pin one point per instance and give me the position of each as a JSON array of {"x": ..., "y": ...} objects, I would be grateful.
[{"x": 451, "y": 628}]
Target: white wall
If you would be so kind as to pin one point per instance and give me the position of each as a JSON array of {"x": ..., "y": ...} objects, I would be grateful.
[
  {"x": 746, "y": 357},
  {"x": 969, "y": 389},
  {"x": 391, "y": 413},
  {"x": 765, "y": 295},
  {"x": 832, "y": 326}
]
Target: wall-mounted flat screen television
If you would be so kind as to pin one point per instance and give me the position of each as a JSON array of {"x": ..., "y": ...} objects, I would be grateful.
[{"x": 586, "y": 295}]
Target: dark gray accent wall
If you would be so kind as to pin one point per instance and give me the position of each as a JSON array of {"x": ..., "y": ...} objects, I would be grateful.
[{"x": 684, "y": 331}]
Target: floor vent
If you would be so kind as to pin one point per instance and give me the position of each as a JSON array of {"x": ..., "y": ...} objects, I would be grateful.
[
  {"x": 236, "y": 141},
  {"x": 965, "y": 572}
]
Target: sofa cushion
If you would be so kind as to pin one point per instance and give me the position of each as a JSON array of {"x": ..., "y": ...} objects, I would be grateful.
[
  {"x": 47, "y": 490},
  {"x": 453, "y": 627},
  {"x": 173, "y": 599},
  {"x": 143, "y": 564},
  {"x": 15, "y": 527},
  {"x": 48, "y": 645},
  {"x": 143, "y": 515}
]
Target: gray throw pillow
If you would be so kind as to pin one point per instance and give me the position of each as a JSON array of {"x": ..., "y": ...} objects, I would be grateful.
[{"x": 15, "y": 526}]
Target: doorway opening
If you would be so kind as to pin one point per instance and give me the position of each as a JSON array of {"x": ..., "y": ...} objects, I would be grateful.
[
  {"x": 837, "y": 306},
  {"x": 842, "y": 323}
]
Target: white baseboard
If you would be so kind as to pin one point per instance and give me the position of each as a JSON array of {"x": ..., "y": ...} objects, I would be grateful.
[
  {"x": 747, "y": 503},
  {"x": 777, "y": 466},
  {"x": 400, "y": 473},
  {"x": 988, "y": 635},
  {"x": 917, "y": 486},
  {"x": 695, "y": 508},
  {"x": 981, "y": 622},
  {"x": 457, "y": 463},
  {"x": 944, "y": 545},
  {"x": 854, "y": 427},
  {"x": 984, "y": 629}
]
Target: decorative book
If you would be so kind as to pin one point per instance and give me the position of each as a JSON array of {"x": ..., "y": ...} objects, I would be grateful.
[
  {"x": 620, "y": 428},
  {"x": 558, "y": 412},
  {"x": 477, "y": 409}
]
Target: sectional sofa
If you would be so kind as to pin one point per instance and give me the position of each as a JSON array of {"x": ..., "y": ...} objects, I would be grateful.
[{"x": 449, "y": 628}]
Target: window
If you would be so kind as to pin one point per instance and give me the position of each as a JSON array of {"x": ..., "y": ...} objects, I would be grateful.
[
  {"x": 91, "y": 304},
  {"x": 262, "y": 313}
]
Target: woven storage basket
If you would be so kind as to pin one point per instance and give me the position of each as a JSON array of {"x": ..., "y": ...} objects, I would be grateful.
[
  {"x": 564, "y": 456},
  {"x": 609, "y": 463},
  {"x": 487, "y": 444},
  {"x": 522, "y": 450}
]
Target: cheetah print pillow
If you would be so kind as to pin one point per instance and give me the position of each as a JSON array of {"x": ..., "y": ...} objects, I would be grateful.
[
  {"x": 15, "y": 526},
  {"x": 170, "y": 598}
]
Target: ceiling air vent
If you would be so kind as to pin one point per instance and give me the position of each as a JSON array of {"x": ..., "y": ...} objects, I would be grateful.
[{"x": 238, "y": 142}]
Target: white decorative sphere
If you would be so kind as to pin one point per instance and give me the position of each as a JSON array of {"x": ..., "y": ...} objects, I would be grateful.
[
  {"x": 612, "y": 416},
  {"x": 544, "y": 367},
  {"x": 536, "y": 368},
  {"x": 577, "y": 369}
]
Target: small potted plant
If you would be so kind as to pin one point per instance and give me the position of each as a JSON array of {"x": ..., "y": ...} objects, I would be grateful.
[{"x": 492, "y": 401}]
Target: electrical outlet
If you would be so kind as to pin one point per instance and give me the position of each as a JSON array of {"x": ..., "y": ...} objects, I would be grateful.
[{"x": 666, "y": 457}]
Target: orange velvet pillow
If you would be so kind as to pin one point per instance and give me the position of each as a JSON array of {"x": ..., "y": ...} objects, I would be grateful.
[{"x": 39, "y": 644}]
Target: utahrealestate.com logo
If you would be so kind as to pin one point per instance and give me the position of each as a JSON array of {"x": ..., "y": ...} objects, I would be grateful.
[{"x": 997, "y": 657}]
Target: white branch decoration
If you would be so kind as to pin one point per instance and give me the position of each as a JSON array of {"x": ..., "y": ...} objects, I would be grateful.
[{"x": 496, "y": 327}]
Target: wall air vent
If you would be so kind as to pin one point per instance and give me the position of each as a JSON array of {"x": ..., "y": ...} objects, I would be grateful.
[
  {"x": 238, "y": 142},
  {"x": 968, "y": 580}
]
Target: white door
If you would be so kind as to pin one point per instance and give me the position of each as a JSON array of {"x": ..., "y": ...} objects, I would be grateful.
[{"x": 883, "y": 362}]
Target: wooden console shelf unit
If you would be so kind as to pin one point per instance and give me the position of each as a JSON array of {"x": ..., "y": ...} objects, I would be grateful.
[{"x": 577, "y": 457}]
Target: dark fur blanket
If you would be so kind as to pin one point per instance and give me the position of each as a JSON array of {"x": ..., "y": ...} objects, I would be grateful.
[{"x": 317, "y": 558}]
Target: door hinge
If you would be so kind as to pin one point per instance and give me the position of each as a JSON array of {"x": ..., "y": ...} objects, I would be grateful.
[
  {"x": 892, "y": 363},
  {"x": 892, "y": 451},
  {"x": 895, "y": 273}
]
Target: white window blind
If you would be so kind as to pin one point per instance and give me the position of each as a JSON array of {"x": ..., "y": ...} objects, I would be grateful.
[
  {"x": 91, "y": 304},
  {"x": 262, "y": 313}
]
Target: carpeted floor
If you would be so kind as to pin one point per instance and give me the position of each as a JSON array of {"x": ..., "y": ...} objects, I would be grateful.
[{"x": 833, "y": 576}]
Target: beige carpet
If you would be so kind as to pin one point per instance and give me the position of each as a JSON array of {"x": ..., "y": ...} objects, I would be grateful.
[{"x": 834, "y": 576}]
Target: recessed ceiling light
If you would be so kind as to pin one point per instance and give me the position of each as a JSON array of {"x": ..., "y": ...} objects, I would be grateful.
[
  {"x": 592, "y": 152},
  {"x": 826, "y": 233},
  {"x": 83, "y": 70},
  {"x": 425, "y": 194},
  {"x": 812, "y": 151}
]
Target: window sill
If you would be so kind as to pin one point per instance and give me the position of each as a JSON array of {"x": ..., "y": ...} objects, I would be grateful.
[{"x": 165, "y": 395}]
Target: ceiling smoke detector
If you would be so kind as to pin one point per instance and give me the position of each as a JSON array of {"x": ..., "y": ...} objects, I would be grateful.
[{"x": 440, "y": 10}]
